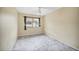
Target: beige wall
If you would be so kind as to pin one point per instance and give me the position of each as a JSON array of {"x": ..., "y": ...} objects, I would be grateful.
[
  {"x": 8, "y": 28},
  {"x": 63, "y": 25},
  {"x": 29, "y": 31}
]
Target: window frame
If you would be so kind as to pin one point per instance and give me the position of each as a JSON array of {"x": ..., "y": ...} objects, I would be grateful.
[{"x": 25, "y": 18}]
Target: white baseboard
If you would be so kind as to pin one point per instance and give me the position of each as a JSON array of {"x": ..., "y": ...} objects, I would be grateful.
[{"x": 51, "y": 36}]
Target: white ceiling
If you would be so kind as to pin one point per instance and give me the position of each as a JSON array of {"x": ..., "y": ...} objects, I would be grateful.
[{"x": 35, "y": 10}]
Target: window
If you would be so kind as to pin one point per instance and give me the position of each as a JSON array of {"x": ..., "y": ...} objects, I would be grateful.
[
  {"x": 36, "y": 22},
  {"x": 28, "y": 22},
  {"x": 31, "y": 22}
]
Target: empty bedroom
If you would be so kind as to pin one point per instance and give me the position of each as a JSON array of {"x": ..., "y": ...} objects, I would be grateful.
[{"x": 39, "y": 28}]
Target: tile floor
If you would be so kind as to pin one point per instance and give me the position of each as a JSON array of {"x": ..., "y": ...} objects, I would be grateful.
[{"x": 40, "y": 43}]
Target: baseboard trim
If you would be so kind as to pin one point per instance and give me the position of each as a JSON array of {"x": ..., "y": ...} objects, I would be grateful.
[
  {"x": 30, "y": 35},
  {"x": 60, "y": 41}
]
